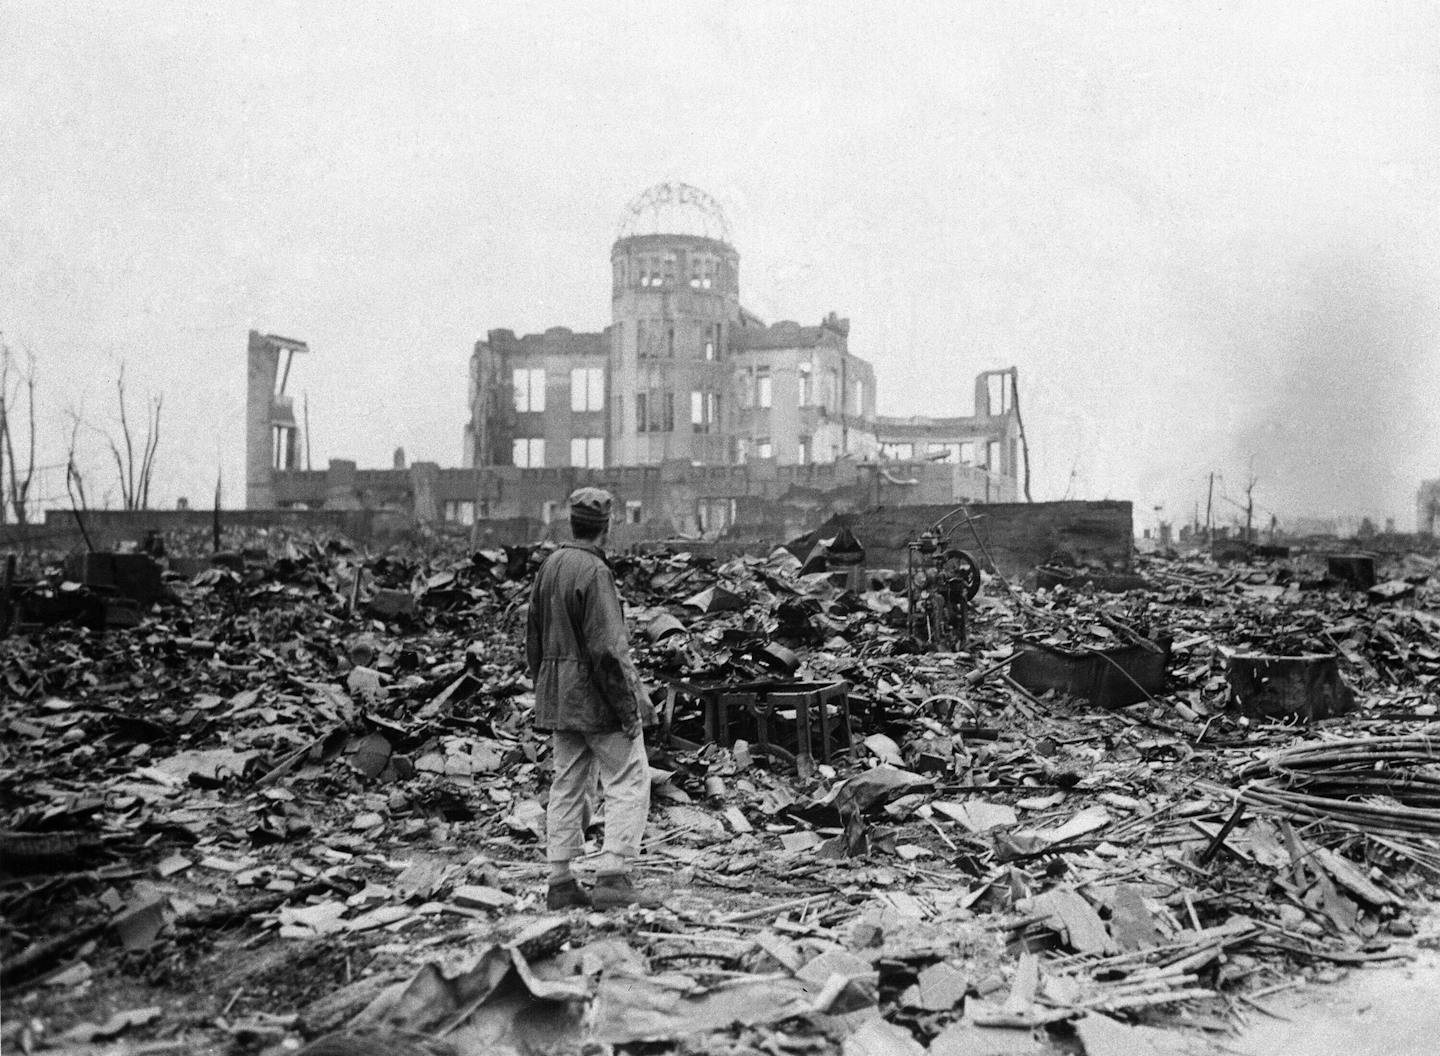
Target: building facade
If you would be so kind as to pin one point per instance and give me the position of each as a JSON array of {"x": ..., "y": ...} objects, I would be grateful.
[
  {"x": 272, "y": 436},
  {"x": 697, "y": 414},
  {"x": 684, "y": 372}
]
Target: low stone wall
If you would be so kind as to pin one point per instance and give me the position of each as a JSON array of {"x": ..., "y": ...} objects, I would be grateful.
[
  {"x": 1016, "y": 536},
  {"x": 112, "y": 529},
  {"x": 1013, "y": 537}
]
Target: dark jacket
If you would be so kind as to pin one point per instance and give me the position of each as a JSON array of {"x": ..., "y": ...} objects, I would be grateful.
[{"x": 577, "y": 647}]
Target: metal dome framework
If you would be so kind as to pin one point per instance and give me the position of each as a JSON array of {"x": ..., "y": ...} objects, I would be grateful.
[{"x": 674, "y": 209}]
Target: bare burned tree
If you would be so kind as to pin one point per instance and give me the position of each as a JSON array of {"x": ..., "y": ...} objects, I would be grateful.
[
  {"x": 15, "y": 481},
  {"x": 75, "y": 483},
  {"x": 136, "y": 464}
]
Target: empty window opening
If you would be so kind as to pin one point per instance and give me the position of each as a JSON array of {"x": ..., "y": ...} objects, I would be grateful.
[
  {"x": 763, "y": 448},
  {"x": 283, "y": 449},
  {"x": 654, "y": 411},
  {"x": 714, "y": 516},
  {"x": 587, "y": 452},
  {"x": 633, "y": 511},
  {"x": 282, "y": 375},
  {"x": 459, "y": 511},
  {"x": 805, "y": 387},
  {"x": 705, "y": 412},
  {"x": 528, "y": 452},
  {"x": 587, "y": 389},
  {"x": 529, "y": 389},
  {"x": 763, "y": 391},
  {"x": 1000, "y": 394},
  {"x": 903, "y": 452}
]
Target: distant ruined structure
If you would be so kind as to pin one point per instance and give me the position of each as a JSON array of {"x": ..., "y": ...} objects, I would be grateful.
[
  {"x": 272, "y": 436},
  {"x": 1427, "y": 507},
  {"x": 693, "y": 411}
]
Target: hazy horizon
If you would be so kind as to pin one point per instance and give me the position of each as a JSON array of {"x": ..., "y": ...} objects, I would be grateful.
[{"x": 1207, "y": 235}]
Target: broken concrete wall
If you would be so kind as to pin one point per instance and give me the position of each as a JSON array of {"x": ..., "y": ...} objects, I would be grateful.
[
  {"x": 676, "y": 496},
  {"x": 1017, "y": 535},
  {"x": 424, "y": 491},
  {"x": 110, "y": 529}
]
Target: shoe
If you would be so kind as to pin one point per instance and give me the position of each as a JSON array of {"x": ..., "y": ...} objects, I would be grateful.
[
  {"x": 616, "y": 890},
  {"x": 567, "y": 894}
]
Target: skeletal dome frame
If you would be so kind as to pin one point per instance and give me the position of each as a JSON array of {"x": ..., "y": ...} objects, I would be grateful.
[{"x": 674, "y": 209}]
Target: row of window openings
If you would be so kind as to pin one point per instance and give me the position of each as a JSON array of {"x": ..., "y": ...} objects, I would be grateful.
[
  {"x": 664, "y": 271},
  {"x": 586, "y": 452},
  {"x": 655, "y": 412},
  {"x": 550, "y": 511},
  {"x": 963, "y": 454},
  {"x": 589, "y": 451},
  {"x": 711, "y": 515},
  {"x": 759, "y": 390},
  {"x": 462, "y": 511},
  {"x": 654, "y": 339},
  {"x": 587, "y": 389}
]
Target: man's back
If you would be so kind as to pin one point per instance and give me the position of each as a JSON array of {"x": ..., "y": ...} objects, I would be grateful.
[
  {"x": 576, "y": 645},
  {"x": 558, "y": 599}
]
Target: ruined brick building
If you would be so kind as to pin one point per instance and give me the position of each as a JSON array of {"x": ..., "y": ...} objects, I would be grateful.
[{"x": 697, "y": 414}]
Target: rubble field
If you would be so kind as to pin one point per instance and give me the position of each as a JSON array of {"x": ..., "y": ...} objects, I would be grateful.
[{"x": 298, "y": 806}]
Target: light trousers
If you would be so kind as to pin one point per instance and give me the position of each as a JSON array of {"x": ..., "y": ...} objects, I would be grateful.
[{"x": 625, "y": 777}]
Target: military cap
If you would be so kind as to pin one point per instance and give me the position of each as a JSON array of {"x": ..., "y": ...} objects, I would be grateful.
[{"x": 590, "y": 507}]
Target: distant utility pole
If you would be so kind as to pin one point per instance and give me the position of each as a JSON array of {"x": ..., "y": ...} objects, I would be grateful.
[
  {"x": 307, "y": 430},
  {"x": 1209, "y": 502},
  {"x": 1249, "y": 507}
]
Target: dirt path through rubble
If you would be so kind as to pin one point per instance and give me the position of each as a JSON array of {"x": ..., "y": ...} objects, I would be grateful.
[{"x": 1376, "y": 1011}]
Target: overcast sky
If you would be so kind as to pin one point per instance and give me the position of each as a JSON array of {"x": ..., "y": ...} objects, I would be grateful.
[{"x": 1208, "y": 234}]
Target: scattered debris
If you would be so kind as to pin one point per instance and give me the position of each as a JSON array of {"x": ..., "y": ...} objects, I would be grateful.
[{"x": 304, "y": 771}]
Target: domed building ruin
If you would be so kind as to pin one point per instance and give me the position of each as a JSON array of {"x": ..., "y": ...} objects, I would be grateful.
[{"x": 697, "y": 414}]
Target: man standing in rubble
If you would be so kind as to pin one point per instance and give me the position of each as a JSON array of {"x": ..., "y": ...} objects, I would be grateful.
[{"x": 589, "y": 697}]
